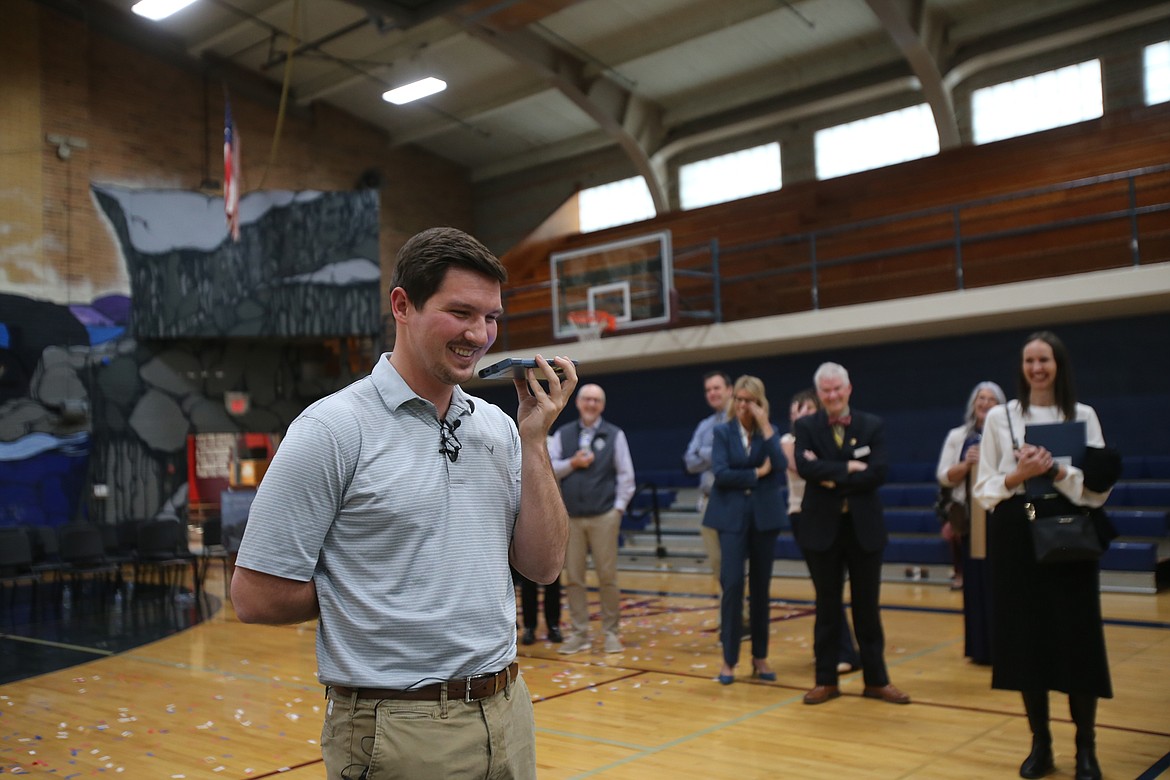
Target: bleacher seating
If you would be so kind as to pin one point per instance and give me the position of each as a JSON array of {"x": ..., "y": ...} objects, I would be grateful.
[
  {"x": 911, "y": 520},
  {"x": 1146, "y": 467},
  {"x": 644, "y": 499},
  {"x": 1137, "y": 494},
  {"x": 1152, "y": 523},
  {"x": 1139, "y": 507},
  {"x": 640, "y": 513},
  {"x": 668, "y": 478},
  {"x": 895, "y": 494},
  {"x": 1130, "y": 556},
  {"x": 910, "y": 472}
]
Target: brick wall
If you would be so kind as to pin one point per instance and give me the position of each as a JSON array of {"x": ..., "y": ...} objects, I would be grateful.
[
  {"x": 20, "y": 145},
  {"x": 151, "y": 123}
]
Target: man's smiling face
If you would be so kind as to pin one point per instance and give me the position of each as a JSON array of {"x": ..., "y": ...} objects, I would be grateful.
[{"x": 456, "y": 326}]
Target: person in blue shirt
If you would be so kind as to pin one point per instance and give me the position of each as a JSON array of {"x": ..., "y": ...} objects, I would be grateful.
[{"x": 717, "y": 390}]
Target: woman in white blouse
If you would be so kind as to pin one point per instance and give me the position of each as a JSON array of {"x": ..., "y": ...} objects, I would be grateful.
[
  {"x": 1047, "y": 633},
  {"x": 958, "y": 466}
]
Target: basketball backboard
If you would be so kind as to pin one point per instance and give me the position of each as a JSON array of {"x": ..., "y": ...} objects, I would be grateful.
[{"x": 631, "y": 279}]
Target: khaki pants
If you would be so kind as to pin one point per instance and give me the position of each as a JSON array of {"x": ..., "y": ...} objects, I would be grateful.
[
  {"x": 596, "y": 534},
  {"x": 391, "y": 739}
]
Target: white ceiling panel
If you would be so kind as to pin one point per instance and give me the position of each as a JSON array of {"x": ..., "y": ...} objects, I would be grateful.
[{"x": 532, "y": 81}]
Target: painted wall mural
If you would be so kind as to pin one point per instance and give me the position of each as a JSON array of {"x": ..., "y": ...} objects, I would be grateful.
[
  {"x": 106, "y": 392},
  {"x": 305, "y": 264}
]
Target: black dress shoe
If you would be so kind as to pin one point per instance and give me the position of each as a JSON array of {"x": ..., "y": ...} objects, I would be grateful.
[
  {"x": 554, "y": 635},
  {"x": 1039, "y": 762},
  {"x": 1087, "y": 766},
  {"x": 528, "y": 637}
]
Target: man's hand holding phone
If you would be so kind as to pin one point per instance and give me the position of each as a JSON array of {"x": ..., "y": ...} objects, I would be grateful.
[{"x": 540, "y": 405}]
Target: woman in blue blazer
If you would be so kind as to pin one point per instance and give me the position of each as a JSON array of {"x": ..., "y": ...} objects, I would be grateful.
[{"x": 748, "y": 511}]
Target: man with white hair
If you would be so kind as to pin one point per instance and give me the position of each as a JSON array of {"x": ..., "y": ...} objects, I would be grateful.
[
  {"x": 591, "y": 458},
  {"x": 841, "y": 453}
]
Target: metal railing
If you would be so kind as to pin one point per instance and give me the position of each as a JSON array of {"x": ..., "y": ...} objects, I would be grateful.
[{"x": 1028, "y": 234}]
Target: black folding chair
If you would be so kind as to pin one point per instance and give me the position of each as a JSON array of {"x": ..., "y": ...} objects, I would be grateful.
[
  {"x": 46, "y": 549},
  {"x": 83, "y": 555},
  {"x": 163, "y": 555},
  {"x": 213, "y": 549},
  {"x": 16, "y": 564},
  {"x": 119, "y": 545}
]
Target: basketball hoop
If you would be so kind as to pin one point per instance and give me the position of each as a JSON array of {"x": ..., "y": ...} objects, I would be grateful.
[{"x": 589, "y": 325}]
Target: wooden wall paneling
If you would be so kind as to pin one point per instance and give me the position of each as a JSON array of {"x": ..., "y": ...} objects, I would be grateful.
[{"x": 1125, "y": 141}]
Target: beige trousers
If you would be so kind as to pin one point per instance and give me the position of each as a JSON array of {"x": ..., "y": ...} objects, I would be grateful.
[
  {"x": 390, "y": 739},
  {"x": 596, "y": 535}
]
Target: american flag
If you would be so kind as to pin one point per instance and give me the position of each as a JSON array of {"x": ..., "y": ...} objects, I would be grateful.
[{"x": 231, "y": 171}]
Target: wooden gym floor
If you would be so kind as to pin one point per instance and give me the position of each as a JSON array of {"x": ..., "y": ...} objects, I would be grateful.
[{"x": 220, "y": 699}]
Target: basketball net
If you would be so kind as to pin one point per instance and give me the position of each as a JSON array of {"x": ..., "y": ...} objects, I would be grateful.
[{"x": 589, "y": 325}]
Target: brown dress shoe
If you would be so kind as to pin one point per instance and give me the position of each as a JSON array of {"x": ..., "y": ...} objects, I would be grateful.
[
  {"x": 886, "y": 693},
  {"x": 821, "y": 694}
]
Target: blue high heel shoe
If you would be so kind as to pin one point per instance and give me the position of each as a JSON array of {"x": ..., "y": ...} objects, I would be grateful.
[
  {"x": 765, "y": 676},
  {"x": 726, "y": 679}
]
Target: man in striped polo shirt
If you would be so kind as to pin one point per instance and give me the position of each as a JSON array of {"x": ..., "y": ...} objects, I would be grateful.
[{"x": 391, "y": 513}]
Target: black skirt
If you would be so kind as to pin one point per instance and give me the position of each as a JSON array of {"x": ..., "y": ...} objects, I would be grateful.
[
  {"x": 1047, "y": 633},
  {"x": 976, "y": 607}
]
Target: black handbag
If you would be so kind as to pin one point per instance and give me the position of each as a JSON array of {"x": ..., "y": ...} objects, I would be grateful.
[
  {"x": 959, "y": 519},
  {"x": 943, "y": 503},
  {"x": 1063, "y": 532}
]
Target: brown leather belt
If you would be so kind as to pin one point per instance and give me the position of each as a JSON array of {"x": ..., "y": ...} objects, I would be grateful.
[{"x": 474, "y": 688}]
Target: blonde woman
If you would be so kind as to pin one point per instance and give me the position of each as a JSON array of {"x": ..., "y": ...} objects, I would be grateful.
[{"x": 748, "y": 512}]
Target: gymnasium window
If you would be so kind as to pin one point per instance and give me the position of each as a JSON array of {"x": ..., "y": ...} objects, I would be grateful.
[
  {"x": 875, "y": 142},
  {"x": 729, "y": 176},
  {"x": 1039, "y": 102},
  {"x": 1157, "y": 70},
  {"x": 617, "y": 203}
]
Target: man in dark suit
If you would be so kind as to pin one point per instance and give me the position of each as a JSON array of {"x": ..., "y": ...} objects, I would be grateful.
[{"x": 841, "y": 453}]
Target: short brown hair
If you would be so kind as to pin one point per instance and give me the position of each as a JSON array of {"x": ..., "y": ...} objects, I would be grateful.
[
  {"x": 806, "y": 396},
  {"x": 424, "y": 259}
]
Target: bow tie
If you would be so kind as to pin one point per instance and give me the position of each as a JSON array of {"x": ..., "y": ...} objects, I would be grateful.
[{"x": 842, "y": 421}]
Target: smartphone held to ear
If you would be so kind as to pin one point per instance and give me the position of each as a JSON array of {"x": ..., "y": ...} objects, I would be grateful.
[{"x": 515, "y": 367}]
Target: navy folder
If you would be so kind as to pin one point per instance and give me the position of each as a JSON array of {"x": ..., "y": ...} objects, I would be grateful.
[{"x": 1066, "y": 442}]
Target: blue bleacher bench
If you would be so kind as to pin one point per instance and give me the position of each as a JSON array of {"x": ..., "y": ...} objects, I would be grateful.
[
  {"x": 1139, "y": 522},
  {"x": 1130, "y": 556}
]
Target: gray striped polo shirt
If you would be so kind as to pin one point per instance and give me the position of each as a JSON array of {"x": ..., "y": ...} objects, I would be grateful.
[{"x": 409, "y": 551}]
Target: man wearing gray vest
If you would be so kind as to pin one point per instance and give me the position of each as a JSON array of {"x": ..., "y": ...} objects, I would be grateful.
[{"x": 591, "y": 458}]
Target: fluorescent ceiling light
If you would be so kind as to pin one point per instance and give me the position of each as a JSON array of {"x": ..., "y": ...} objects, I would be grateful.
[
  {"x": 159, "y": 9},
  {"x": 419, "y": 89}
]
